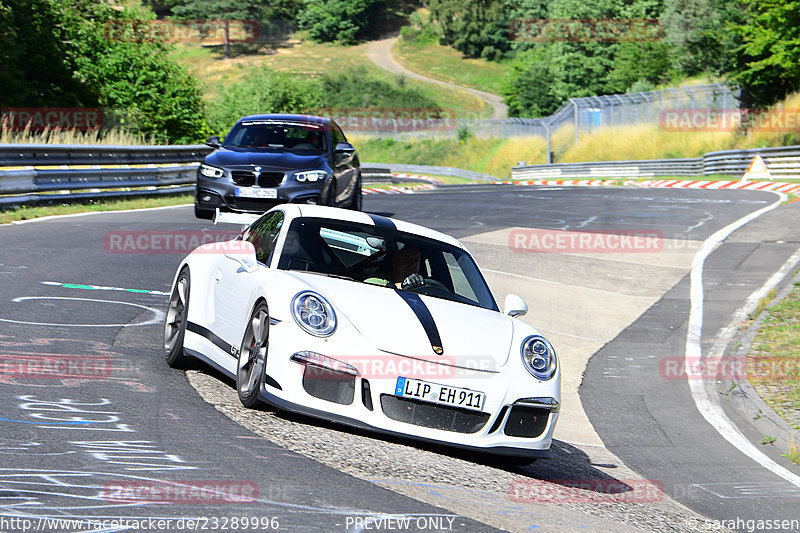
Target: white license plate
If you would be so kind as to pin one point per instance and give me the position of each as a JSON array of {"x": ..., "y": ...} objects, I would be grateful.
[
  {"x": 256, "y": 192},
  {"x": 438, "y": 393}
]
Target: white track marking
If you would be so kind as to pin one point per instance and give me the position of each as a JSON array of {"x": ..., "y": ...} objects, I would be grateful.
[
  {"x": 550, "y": 282},
  {"x": 705, "y": 399},
  {"x": 51, "y": 217},
  {"x": 158, "y": 315}
]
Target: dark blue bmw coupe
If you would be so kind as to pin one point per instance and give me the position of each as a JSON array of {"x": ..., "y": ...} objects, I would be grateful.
[{"x": 272, "y": 159}]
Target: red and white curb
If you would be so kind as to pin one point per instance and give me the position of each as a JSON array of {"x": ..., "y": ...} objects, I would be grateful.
[
  {"x": 407, "y": 190},
  {"x": 399, "y": 190},
  {"x": 780, "y": 186}
]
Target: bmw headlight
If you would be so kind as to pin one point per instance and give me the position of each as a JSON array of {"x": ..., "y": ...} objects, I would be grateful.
[
  {"x": 310, "y": 175},
  {"x": 539, "y": 357},
  {"x": 211, "y": 172},
  {"x": 314, "y": 314}
]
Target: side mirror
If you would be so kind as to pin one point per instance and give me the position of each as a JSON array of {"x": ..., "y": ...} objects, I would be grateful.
[
  {"x": 514, "y": 306},
  {"x": 213, "y": 142},
  {"x": 344, "y": 148},
  {"x": 243, "y": 252}
]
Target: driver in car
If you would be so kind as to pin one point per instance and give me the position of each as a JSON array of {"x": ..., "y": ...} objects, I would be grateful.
[
  {"x": 258, "y": 138},
  {"x": 405, "y": 270}
]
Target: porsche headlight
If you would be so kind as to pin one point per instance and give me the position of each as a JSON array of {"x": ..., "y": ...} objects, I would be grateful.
[
  {"x": 310, "y": 175},
  {"x": 211, "y": 172},
  {"x": 314, "y": 314},
  {"x": 539, "y": 357}
]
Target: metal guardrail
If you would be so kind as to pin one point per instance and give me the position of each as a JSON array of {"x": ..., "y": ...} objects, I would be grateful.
[
  {"x": 39, "y": 173},
  {"x": 783, "y": 163},
  {"x": 437, "y": 171},
  {"x": 34, "y": 173}
]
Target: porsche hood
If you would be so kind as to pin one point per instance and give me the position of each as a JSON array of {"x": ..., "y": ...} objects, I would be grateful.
[{"x": 419, "y": 326}]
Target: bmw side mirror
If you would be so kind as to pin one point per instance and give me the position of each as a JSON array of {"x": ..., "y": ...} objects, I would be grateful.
[
  {"x": 344, "y": 148},
  {"x": 213, "y": 142},
  {"x": 514, "y": 306},
  {"x": 243, "y": 252}
]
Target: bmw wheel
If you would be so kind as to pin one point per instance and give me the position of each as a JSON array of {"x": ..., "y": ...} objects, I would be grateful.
[
  {"x": 175, "y": 322},
  {"x": 253, "y": 357}
]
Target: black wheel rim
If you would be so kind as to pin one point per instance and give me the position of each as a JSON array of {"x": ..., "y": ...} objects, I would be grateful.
[
  {"x": 254, "y": 352},
  {"x": 176, "y": 313}
]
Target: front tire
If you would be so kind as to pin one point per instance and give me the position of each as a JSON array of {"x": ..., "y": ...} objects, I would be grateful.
[
  {"x": 175, "y": 322},
  {"x": 203, "y": 213},
  {"x": 356, "y": 200},
  {"x": 253, "y": 357},
  {"x": 330, "y": 198}
]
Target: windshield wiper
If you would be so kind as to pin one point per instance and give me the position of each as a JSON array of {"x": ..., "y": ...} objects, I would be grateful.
[
  {"x": 328, "y": 274},
  {"x": 342, "y": 276}
]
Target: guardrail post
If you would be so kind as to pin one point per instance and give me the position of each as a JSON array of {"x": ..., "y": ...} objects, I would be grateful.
[
  {"x": 575, "y": 117},
  {"x": 549, "y": 153}
]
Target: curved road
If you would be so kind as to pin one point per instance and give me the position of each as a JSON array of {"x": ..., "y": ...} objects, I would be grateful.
[
  {"x": 380, "y": 52},
  {"x": 112, "y": 432}
]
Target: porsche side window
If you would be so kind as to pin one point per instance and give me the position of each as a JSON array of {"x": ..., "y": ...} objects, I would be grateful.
[{"x": 264, "y": 234}]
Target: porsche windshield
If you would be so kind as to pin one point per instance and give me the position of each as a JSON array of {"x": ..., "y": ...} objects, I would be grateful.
[
  {"x": 276, "y": 134},
  {"x": 384, "y": 257}
]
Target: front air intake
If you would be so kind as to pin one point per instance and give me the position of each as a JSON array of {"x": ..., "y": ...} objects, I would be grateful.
[{"x": 329, "y": 385}]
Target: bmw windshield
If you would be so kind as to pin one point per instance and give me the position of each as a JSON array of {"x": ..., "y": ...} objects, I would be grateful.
[{"x": 282, "y": 135}]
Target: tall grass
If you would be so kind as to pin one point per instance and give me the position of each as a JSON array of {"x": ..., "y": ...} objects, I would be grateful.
[
  {"x": 491, "y": 156},
  {"x": 762, "y": 137},
  {"x": 644, "y": 141},
  {"x": 56, "y": 136}
]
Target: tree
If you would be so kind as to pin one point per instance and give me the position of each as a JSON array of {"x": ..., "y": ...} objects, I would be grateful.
[
  {"x": 217, "y": 10},
  {"x": 65, "y": 56},
  {"x": 476, "y": 29},
  {"x": 343, "y": 21},
  {"x": 697, "y": 33},
  {"x": 263, "y": 91},
  {"x": 39, "y": 47},
  {"x": 767, "y": 63},
  {"x": 639, "y": 62}
]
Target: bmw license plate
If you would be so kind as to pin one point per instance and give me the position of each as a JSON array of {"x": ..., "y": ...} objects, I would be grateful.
[
  {"x": 256, "y": 192},
  {"x": 439, "y": 394}
]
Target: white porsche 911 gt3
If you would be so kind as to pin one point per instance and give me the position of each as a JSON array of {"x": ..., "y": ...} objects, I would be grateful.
[{"x": 367, "y": 321}]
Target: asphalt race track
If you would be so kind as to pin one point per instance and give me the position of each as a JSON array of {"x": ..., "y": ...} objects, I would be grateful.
[{"x": 113, "y": 433}]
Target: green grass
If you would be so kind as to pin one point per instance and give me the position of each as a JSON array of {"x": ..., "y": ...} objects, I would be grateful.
[
  {"x": 306, "y": 58},
  {"x": 775, "y": 351},
  {"x": 491, "y": 156},
  {"x": 447, "y": 64},
  {"x": 793, "y": 454},
  {"x": 30, "y": 212}
]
